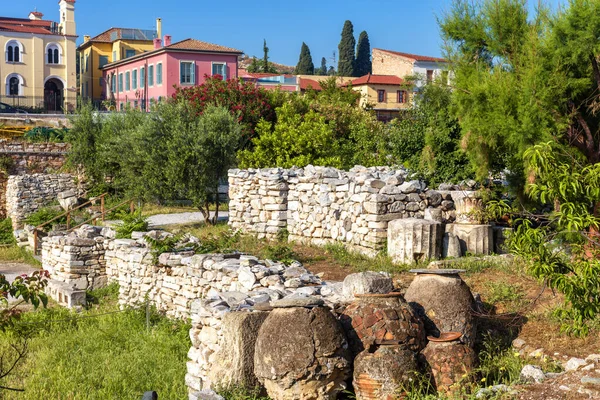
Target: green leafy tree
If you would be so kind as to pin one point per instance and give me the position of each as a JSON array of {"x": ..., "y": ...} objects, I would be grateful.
[
  {"x": 363, "y": 65},
  {"x": 295, "y": 140},
  {"x": 254, "y": 65},
  {"x": 323, "y": 69},
  {"x": 346, "y": 51},
  {"x": 305, "y": 64},
  {"x": 331, "y": 71},
  {"x": 564, "y": 248}
]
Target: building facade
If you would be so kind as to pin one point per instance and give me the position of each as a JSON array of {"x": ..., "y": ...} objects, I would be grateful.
[
  {"x": 402, "y": 65},
  {"x": 387, "y": 95},
  {"x": 38, "y": 70},
  {"x": 149, "y": 77}
]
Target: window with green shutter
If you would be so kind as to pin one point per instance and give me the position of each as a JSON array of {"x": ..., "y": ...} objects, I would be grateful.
[
  {"x": 150, "y": 75},
  {"x": 134, "y": 79},
  {"x": 142, "y": 77},
  {"x": 159, "y": 74}
]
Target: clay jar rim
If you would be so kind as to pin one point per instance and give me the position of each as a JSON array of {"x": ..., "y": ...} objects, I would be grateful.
[
  {"x": 445, "y": 337},
  {"x": 378, "y": 295}
]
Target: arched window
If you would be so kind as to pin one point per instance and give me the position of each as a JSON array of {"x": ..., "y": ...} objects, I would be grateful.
[
  {"x": 14, "y": 85},
  {"x": 13, "y": 51},
  {"x": 53, "y": 53}
]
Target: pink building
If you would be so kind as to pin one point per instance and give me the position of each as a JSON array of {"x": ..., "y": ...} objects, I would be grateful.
[{"x": 152, "y": 76}]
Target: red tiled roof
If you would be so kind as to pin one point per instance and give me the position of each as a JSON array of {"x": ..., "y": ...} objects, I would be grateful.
[
  {"x": 26, "y": 25},
  {"x": 193, "y": 44},
  {"x": 377, "y": 80},
  {"x": 37, "y": 13},
  {"x": 415, "y": 57},
  {"x": 309, "y": 83}
]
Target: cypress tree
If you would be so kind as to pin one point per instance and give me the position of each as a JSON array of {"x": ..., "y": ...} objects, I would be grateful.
[
  {"x": 363, "y": 55},
  {"x": 323, "y": 69},
  {"x": 346, "y": 51},
  {"x": 305, "y": 63},
  {"x": 265, "y": 62}
]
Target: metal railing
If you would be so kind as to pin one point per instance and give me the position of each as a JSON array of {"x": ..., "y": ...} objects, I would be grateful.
[
  {"x": 37, "y": 104},
  {"x": 93, "y": 220}
]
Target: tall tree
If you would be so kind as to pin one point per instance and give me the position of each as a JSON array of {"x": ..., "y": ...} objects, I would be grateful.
[
  {"x": 305, "y": 63},
  {"x": 346, "y": 51},
  {"x": 363, "y": 55},
  {"x": 323, "y": 69},
  {"x": 254, "y": 65},
  {"x": 265, "y": 61}
]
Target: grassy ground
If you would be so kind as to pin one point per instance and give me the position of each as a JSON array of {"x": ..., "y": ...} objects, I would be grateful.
[
  {"x": 100, "y": 353},
  {"x": 17, "y": 254}
]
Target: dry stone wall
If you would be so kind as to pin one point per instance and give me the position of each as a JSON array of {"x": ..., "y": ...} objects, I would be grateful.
[
  {"x": 322, "y": 205},
  {"x": 25, "y": 194}
]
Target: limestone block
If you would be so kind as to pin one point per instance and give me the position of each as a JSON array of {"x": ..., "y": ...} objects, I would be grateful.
[
  {"x": 451, "y": 246},
  {"x": 412, "y": 239},
  {"x": 367, "y": 282},
  {"x": 234, "y": 361},
  {"x": 474, "y": 239}
]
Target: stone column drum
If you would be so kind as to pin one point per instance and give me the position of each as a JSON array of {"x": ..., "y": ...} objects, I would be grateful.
[
  {"x": 302, "y": 354},
  {"x": 411, "y": 240},
  {"x": 444, "y": 302},
  {"x": 473, "y": 239}
]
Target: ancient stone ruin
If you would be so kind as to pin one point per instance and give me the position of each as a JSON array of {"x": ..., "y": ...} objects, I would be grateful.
[{"x": 276, "y": 326}]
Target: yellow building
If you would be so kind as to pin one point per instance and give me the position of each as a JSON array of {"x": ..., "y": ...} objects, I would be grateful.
[
  {"x": 112, "y": 45},
  {"x": 38, "y": 69},
  {"x": 385, "y": 94}
]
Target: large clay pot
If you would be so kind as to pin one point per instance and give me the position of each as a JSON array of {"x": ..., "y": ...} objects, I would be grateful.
[
  {"x": 385, "y": 373},
  {"x": 449, "y": 362},
  {"x": 445, "y": 304},
  {"x": 375, "y": 319},
  {"x": 301, "y": 354}
]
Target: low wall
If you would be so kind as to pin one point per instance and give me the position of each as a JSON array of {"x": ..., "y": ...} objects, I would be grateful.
[
  {"x": 25, "y": 194},
  {"x": 322, "y": 205}
]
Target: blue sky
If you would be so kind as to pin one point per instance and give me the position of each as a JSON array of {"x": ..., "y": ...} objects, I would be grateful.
[{"x": 399, "y": 25}]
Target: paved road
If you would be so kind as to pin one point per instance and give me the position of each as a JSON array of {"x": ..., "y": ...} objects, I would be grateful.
[
  {"x": 181, "y": 218},
  {"x": 12, "y": 270}
]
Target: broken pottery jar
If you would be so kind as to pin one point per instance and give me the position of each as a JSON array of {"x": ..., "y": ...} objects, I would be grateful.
[
  {"x": 385, "y": 373},
  {"x": 302, "y": 353},
  {"x": 382, "y": 319},
  {"x": 448, "y": 361}
]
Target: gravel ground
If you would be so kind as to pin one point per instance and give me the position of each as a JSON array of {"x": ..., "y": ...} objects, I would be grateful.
[{"x": 181, "y": 218}]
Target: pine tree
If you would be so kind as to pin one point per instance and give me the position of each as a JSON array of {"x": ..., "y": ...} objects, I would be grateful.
[
  {"x": 362, "y": 65},
  {"x": 323, "y": 69},
  {"x": 305, "y": 63},
  {"x": 346, "y": 51}
]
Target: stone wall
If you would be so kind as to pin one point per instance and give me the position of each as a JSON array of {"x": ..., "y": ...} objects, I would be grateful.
[
  {"x": 30, "y": 158},
  {"x": 322, "y": 205},
  {"x": 25, "y": 194}
]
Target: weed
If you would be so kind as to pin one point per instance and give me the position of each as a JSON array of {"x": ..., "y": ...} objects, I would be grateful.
[
  {"x": 360, "y": 262},
  {"x": 6, "y": 232},
  {"x": 18, "y": 254},
  {"x": 46, "y": 214},
  {"x": 510, "y": 296},
  {"x": 131, "y": 222},
  {"x": 241, "y": 393}
]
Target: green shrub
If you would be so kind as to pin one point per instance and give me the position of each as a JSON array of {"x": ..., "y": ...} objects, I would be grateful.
[
  {"x": 44, "y": 215},
  {"x": 6, "y": 232},
  {"x": 131, "y": 222},
  {"x": 45, "y": 134}
]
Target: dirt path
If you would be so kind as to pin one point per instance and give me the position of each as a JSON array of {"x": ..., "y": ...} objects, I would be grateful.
[
  {"x": 13, "y": 269},
  {"x": 180, "y": 218}
]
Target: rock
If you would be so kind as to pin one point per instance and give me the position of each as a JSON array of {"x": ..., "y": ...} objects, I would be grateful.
[
  {"x": 206, "y": 394},
  {"x": 246, "y": 278},
  {"x": 429, "y": 296},
  {"x": 574, "y": 364},
  {"x": 484, "y": 393},
  {"x": 234, "y": 362},
  {"x": 590, "y": 381},
  {"x": 68, "y": 203},
  {"x": 532, "y": 374},
  {"x": 410, "y": 187},
  {"x": 451, "y": 246},
  {"x": 234, "y": 299},
  {"x": 302, "y": 354},
  {"x": 518, "y": 343},
  {"x": 366, "y": 282},
  {"x": 538, "y": 353},
  {"x": 433, "y": 214},
  {"x": 290, "y": 302},
  {"x": 593, "y": 358},
  {"x": 564, "y": 388},
  {"x": 411, "y": 240},
  {"x": 434, "y": 197}
]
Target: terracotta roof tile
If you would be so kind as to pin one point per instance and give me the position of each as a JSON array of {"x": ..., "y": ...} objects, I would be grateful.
[
  {"x": 26, "y": 25},
  {"x": 193, "y": 44},
  {"x": 377, "y": 80},
  {"x": 309, "y": 83},
  {"x": 37, "y": 13},
  {"x": 415, "y": 57}
]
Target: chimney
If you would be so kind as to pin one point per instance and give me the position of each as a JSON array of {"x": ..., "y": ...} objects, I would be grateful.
[
  {"x": 167, "y": 40},
  {"x": 159, "y": 27},
  {"x": 86, "y": 38},
  {"x": 157, "y": 43},
  {"x": 35, "y": 15}
]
